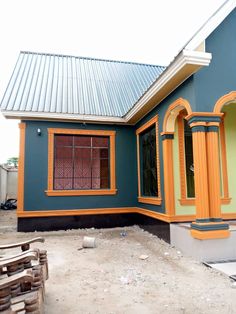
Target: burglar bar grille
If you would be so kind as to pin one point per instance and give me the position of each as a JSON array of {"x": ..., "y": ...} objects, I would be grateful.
[{"x": 81, "y": 162}]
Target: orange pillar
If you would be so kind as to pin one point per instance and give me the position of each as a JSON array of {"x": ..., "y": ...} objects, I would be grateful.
[
  {"x": 214, "y": 171},
  {"x": 200, "y": 171},
  {"x": 167, "y": 142},
  {"x": 208, "y": 224}
]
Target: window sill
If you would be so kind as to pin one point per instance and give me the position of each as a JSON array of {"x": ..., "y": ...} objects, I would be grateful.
[
  {"x": 150, "y": 200},
  {"x": 191, "y": 201},
  {"x": 187, "y": 201},
  {"x": 80, "y": 192}
]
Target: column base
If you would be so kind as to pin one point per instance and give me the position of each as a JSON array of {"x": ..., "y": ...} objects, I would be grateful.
[{"x": 211, "y": 230}]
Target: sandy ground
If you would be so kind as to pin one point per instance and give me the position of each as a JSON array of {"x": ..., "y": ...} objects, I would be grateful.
[{"x": 112, "y": 279}]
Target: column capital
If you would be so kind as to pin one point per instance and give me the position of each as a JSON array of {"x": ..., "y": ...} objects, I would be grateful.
[{"x": 202, "y": 117}]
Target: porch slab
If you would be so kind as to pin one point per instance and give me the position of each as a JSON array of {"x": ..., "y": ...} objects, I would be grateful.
[
  {"x": 226, "y": 267},
  {"x": 203, "y": 250}
]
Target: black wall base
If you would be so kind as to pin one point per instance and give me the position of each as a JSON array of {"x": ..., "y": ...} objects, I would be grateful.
[{"x": 157, "y": 227}]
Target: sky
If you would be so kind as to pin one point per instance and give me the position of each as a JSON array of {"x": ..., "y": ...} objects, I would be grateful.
[{"x": 145, "y": 31}]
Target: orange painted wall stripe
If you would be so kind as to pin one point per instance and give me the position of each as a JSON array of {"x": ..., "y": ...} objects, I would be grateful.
[{"x": 21, "y": 169}]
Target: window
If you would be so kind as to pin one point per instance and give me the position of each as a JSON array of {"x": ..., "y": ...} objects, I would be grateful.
[
  {"x": 189, "y": 173},
  {"x": 81, "y": 162},
  {"x": 148, "y": 163}
]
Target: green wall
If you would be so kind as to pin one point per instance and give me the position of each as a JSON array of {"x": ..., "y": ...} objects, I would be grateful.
[
  {"x": 179, "y": 209},
  {"x": 230, "y": 134}
]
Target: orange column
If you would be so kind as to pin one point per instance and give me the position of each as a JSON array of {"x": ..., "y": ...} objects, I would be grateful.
[
  {"x": 200, "y": 171},
  {"x": 213, "y": 156},
  {"x": 208, "y": 224},
  {"x": 167, "y": 142}
]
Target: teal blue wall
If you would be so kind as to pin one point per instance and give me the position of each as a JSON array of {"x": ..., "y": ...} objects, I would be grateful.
[
  {"x": 36, "y": 169},
  {"x": 186, "y": 91},
  {"x": 202, "y": 90},
  {"x": 220, "y": 77}
]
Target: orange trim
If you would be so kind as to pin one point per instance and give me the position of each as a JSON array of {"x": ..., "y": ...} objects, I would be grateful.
[
  {"x": 50, "y": 159},
  {"x": 229, "y": 216},
  {"x": 213, "y": 234},
  {"x": 51, "y": 192},
  {"x": 147, "y": 125},
  {"x": 213, "y": 165},
  {"x": 199, "y": 123},
  {"x": 81, "y": 132},
  {"x": 138, "y": 164},
  {"x": 200, "y": 176},
  {"x": 182, "y": 167},
  {"x": 203, "y": 114},
  {"x": 152, "y": 214},
  {"x": 230, "y": 97},
  {"x": 187, "y": 201},
  {"x": 149, "y": 200},
  {"x": 100, "y": 211},
  {"x": 21, "y": 169},
  {"x": 184, "y": 201},
  {"x": 167, "y": 145},
  {"x": 169, "y": 128},
  {"x": 76, "y": 212},
  {"x": 80, "y": 192},
  {"x": 225, "y": 200},
  {"x": 173, "y": 111},
  {"x": 224, "y": 161}
]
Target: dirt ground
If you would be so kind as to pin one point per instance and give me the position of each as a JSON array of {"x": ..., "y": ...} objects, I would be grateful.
[{"x": 112, "y": 279}]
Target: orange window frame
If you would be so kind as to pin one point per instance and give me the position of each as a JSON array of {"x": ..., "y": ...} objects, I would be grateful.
[
  {"x": 144, "y": 199},
  {"x": 50, "y": 190},
  {"x": 184, "y": 200}
]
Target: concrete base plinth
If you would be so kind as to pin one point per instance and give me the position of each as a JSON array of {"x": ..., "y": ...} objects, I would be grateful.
[{"x": 203, "y": 250}]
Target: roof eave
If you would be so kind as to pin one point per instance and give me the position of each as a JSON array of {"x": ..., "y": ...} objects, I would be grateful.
[
  {"x": 62, "y": 117},
  {"x": 184, "y": 65}
]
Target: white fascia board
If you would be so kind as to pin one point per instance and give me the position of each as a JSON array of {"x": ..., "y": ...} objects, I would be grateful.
[
  {"x": 186, "y": 57},
  {"x": 214, "y": 21},
  {"x": 61, "y": 116}
]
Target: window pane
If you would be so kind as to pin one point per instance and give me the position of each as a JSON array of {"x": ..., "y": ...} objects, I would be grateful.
[
  {"x": 149, "y": 162},
  {"x": 82, "y": 183},
  {"x": 100, "y": 141},
  {"x": 62, "y": 184},
  {"x": 188, "y": 143},
  {"x": 81, "y": 165},
  {"x": 104, "y": 184},
  {"x": 83, "y": 141},
  {"x": 63, "y": 140}
]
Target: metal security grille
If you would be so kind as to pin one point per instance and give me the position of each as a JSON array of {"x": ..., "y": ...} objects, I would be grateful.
[
  {"x": 81, "y": 162},
  {"x": 149, "y": 162}
]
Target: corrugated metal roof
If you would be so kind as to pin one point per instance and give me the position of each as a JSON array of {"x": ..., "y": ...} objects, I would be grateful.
[{"x": 76, "y": 85}]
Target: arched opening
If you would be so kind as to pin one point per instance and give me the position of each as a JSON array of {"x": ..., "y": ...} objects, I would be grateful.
[
  {"x": 177, "y": 140},
  {"x": 227, "y": 105}
]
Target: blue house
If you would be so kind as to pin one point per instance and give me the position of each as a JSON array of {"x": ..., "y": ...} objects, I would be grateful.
[{"x": 107, "y": 143}]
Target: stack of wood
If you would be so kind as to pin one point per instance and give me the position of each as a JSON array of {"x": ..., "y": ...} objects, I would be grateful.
[{"x": 22, "y": 279}]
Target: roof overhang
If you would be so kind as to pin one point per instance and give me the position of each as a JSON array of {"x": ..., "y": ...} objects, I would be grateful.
[
  {"x": 29, "y": 115},
  {"x": 183, "y": 66}
]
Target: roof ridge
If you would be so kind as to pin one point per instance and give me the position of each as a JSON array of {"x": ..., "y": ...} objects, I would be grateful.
[{"x": 91, "y": 58}]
